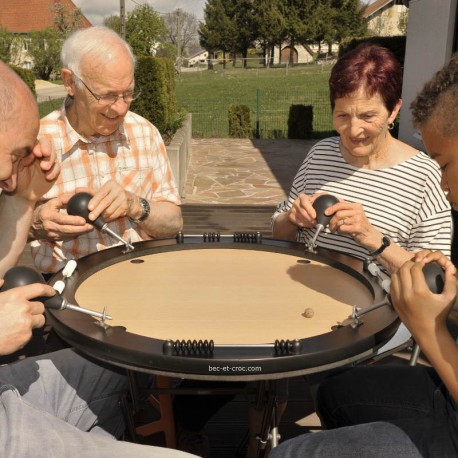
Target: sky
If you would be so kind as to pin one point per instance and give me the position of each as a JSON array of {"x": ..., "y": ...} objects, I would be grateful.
[{"x": 97, "y": 10}]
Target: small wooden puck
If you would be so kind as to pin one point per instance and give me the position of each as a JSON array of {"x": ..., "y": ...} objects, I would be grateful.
[{"x": 308, "y": 313}]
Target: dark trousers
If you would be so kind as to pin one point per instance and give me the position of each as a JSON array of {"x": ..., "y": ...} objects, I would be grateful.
[{"x": 411, "y": 398}]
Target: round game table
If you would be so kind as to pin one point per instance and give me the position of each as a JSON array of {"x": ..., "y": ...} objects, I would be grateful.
[{"x": 223, "y": 308}]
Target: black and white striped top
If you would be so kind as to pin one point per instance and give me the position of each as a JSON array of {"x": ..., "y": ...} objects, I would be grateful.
[{"x": 404, "y": 202}]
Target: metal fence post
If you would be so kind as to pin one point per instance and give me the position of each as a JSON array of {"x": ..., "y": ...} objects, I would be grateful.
[{"x": 258, "y": 95}]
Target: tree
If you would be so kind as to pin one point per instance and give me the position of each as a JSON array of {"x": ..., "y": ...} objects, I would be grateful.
[
  {"x": 243, "y": 15},
  {"x": 217, "y": 32},
  {"x": 66, "y": 19},
  {"x": 6, "y": 45},
  {"x": 403, "y": 22},
  {"x": 271, "y": 26},
  {"x": 301, "y": 22},
  {"x": 44, "y": 47},
  {"x": 348, "y": 19},
  {"x": 181, "y": 29},
  {"x": 145, "y": 30},
  {"x": 114, "y": 23}
]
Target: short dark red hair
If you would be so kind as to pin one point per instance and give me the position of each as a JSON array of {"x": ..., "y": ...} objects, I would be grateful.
[{"x": 372, "y": 67}]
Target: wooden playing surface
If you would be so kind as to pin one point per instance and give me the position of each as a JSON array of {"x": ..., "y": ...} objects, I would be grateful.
[{"x": 233, "y": 296}]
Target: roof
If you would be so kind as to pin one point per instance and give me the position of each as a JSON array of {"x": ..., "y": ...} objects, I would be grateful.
[
  {"x": 375, "y": 6},
  {"x": 198, "y": 53},
  {"x": 23, "y": 16}
]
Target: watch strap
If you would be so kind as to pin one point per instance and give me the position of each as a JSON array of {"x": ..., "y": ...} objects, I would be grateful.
[
  {"x": 386, "y": 242},
  {"x": 146, "y": 209}
]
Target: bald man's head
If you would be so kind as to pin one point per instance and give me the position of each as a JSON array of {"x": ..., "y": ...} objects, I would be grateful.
[
  {"x": 19, "y": 124},
  {"x": 15, "y": 97}
]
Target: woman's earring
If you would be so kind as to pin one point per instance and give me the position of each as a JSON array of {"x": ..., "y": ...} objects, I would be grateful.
[{"x": 391, "y": 126}]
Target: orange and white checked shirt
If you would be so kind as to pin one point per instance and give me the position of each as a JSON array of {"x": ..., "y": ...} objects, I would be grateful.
[{"x": 134, "y": 156}]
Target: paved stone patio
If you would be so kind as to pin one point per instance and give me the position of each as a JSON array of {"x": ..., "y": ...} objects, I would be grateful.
[{"x": 242, "y": 171}]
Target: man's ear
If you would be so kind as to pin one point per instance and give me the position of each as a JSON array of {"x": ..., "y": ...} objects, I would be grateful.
[{"x": 69, "y": 82}]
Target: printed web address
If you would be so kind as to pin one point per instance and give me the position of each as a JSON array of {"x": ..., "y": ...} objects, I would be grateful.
[{"x": 219, "y": 369}]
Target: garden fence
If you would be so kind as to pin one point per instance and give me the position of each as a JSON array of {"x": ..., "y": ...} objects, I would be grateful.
[{"x": 269, "y": 112}]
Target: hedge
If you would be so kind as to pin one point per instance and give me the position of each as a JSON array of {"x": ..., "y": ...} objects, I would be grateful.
[{"x": 154, "y": 77}]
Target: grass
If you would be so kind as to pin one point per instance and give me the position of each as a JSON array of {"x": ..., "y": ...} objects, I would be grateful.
[
  {"x": 268, "y": 92},
  {"x": 45, "y": 108}
]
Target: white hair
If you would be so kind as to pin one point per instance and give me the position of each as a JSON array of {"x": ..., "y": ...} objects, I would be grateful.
[{"x": 94, "y": 41}]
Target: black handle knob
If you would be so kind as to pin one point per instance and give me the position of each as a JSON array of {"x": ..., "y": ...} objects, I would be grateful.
[
  {"x": 434, "y": 276},
  {"x": 322, "y": 203},
  {"x": 22, "y": 276},
  {"x": 78, "y": 206}
]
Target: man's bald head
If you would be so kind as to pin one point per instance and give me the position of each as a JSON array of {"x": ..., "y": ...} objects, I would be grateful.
[{"x": 15, "y": 96}]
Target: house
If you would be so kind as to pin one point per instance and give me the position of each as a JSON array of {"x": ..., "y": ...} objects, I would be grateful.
[
  {"x": 198, "y": 58},
  {"x": 383, "y": 17},
  {"x": 24, "y": 16}
]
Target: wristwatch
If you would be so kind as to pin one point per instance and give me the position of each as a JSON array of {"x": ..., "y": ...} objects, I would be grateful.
[
  {"x": 145, "y": 211},
  {"x": 386, "y": 242}
]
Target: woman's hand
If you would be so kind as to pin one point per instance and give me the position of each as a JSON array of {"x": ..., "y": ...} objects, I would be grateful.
[
  {"x": 302, "y": 214},
  {"x": 350, "y": 218}
]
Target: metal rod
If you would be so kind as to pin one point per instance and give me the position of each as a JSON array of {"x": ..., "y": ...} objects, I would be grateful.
[
  {"x": 373, "y": 307},
  {"x": 106, "y": 229},
  {"x": 77, "y": 308},
  {"x": 319, "y": 228}
]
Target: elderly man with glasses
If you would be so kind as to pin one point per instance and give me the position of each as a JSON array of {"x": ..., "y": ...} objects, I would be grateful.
[{"x": 106, "y": 150}]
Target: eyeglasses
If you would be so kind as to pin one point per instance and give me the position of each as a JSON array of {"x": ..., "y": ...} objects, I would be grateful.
[{"x": 111, "y": 99}]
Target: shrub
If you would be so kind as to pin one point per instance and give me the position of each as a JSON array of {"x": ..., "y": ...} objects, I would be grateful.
[
  {"x": 300, "y": 121},
  {"x": 27, "y": 76},
  {"x": 158, "y": 103},
  {"x": 239, "y": 121}
]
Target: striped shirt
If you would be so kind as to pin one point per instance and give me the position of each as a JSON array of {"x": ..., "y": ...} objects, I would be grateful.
[
  {"x": 404, "y": 202},
  {"x": 134, "y": 156}
]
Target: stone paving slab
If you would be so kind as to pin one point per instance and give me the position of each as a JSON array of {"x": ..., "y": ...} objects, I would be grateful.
[{"x": 242, "y": 171}]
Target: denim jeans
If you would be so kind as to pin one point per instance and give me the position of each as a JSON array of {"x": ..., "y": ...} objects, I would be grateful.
[
  {"x": 380, "y": 411},
  {"x": 63, "y": 405}
]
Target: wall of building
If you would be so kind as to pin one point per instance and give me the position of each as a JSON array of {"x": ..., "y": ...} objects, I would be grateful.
[
  {"x": 386, "y": 21},
  {"x": 430, "y": 43}
]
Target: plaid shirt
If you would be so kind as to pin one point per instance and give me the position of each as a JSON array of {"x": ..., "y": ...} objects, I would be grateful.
[{"x": 134, "y": 156}]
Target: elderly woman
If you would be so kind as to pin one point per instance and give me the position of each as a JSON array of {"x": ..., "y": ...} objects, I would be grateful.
[
  {"x": 388, "y": 411},
  {"x": 390, "y": 200}
]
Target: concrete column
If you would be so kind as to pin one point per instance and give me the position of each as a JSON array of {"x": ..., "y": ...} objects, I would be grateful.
[{"x": 430, "y": 43}]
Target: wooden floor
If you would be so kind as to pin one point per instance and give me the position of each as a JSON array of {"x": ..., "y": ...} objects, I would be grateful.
[{"x": 227, "y": 219}]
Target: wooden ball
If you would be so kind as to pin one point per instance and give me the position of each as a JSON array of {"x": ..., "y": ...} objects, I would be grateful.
[{"x": 308, "y": 313}]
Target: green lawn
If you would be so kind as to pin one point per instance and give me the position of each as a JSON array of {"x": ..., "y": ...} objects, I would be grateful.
[{"x": 268, "y": 92}]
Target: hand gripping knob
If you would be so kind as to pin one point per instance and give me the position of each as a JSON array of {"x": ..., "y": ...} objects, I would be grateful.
[
  {"x": 78, "y": 206},
  {"x": 321, "y": 204}
]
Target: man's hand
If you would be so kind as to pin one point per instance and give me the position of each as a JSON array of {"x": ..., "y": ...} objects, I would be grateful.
[
  {"x": 19, "y": 314},
  {"x": 112, "y": 201},
  {"x": 37, "y": 172},
  {"x": 421, "y": 310},
  {"x": 50, "y": 223}
]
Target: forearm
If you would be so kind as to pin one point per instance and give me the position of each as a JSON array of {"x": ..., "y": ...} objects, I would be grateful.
[
  {"x": 15, "y": 218},
  {"x": 283, "y": 228},
  {"x": 442, "y": 352},
  {"x": 393, "y": 257},
  {"x": 164, "y": 220}
]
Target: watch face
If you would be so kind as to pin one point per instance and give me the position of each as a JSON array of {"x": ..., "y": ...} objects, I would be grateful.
[{"x": 146, "y": 209}]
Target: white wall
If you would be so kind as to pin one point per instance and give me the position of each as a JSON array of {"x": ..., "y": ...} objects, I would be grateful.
[{"x": 430, "y": 36}]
